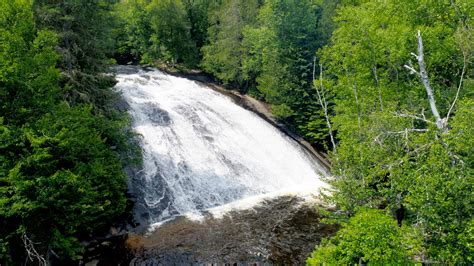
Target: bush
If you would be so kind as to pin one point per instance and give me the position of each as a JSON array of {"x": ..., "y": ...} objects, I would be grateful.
[{"x": 370, "y": 237}]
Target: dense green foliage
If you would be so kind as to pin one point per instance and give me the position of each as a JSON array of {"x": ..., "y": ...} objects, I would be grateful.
[
  {"x": 160, "y": 31},
  {"x": 280, "y": 58},
  {"x": 171, "y": 32},
  {"x": 132, "y": 32},
  {"x": 62, "y": 144},
  {"x": 58, "y": 124},
  {"x": 388, "y": 152},
  {"x": 223, "y": 54},
  {"x": 369, "y": 236},
  {"x": 84, "y": 30}
]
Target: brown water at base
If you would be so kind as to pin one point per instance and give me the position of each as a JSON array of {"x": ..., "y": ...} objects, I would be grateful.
[{"x": 280, "y": 231}]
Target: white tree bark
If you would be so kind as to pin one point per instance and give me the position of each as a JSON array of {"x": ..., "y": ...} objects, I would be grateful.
[
  {"x": 32, "y": 254},
  {"x": 459, "y": 86},
  {"x": 323, "y": 102},
  {"x": 423, "y": 74}
]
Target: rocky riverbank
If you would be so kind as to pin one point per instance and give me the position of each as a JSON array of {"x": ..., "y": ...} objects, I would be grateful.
[{"x": 280, "y": 231}]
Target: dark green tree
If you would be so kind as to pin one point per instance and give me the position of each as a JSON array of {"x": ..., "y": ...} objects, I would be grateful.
[
  {"x": 132, "y": 32},
  {"x": 61, "y": 157},
  {"x": 197, "y": 13},
  {"x": 280, "y": 56},
  {"x": 171, "y": 33},
  {"x": 85, "y": 43},
  {"x": 223, "y": 54}
]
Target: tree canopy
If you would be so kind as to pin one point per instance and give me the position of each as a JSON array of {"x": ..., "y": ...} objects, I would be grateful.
[
  {"x": 385, "y": 88},
  {"x": 62, "y": 146}
]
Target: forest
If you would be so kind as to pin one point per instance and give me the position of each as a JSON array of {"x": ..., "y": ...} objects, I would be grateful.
[{"x": 385, "y": 88}]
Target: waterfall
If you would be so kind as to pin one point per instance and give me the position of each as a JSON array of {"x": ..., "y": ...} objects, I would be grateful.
[{"x": 201, "y": 150}]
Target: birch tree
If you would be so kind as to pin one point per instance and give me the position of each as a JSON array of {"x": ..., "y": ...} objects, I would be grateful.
[
  {"x": 423, "y": 74},
  {"x": 321, "y": 92},
  {"x": 417, "y": 151}
]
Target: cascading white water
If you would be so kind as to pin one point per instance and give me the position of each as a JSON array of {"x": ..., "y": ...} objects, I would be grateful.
[{"x": 201, "y": 150}]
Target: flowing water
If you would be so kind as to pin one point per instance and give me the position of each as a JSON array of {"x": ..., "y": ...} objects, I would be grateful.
[{"x": 202, "y": 151}]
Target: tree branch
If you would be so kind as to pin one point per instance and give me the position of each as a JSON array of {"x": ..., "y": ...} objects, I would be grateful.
[
  {"x": 426, "y": 82},
  {"x": 423, "y": 74},
  {"x": 402, "y": 132},
  {"x": 414, "y": 117},
  {"x": 407, "y": 130},
  {"x": 31, "y": 252},
  {"x": 323, "y": 102},
  {"x": 459, "y": 86},
  {"x": 412, "y": 70}
]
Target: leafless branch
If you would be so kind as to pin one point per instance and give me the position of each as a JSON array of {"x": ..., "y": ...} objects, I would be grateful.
[
  {"x": 407, "y": 130},
  {"x": 423, "y": 113},
  {"x": 402, "y": 132},
  {"x": 322, "y": 101},
  {"x": 414, "y": 117},
  {"x": 412, "y": 70},
  {"x": 31, "y": 252},
  {"x": 459, "y": 86}
]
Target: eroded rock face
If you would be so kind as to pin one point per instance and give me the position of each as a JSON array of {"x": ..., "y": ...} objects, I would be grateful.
[{"x": 279, "y": 231}]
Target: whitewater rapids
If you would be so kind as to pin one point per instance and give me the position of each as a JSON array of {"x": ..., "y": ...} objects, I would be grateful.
[{"x": 202, "y": 151}]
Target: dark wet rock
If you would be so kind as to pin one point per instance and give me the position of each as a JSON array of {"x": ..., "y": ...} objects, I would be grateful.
[
  {"x": 126, "y": 69},
  {"x": 122, "y": 105},
  {"x": 158, "y": 116},
  {"x": 282, "y": 231},
  {"x": 110, "y": 250}
]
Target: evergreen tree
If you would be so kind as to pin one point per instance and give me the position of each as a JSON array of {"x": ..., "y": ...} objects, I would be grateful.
[
  {"x": 61, "y": 175},
  {"x": 280, "y": 53},
  {"x": 222, "y": 56},
  {"x": 197, "y": 13},
  {"x": 133, "y": 32},
  {"x": 84, "y": 45},
  {"x": 171, "y": 32}
]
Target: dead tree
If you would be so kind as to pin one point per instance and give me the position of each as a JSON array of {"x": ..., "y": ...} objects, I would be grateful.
[
  {"x": 441, "y": 123},
  {"x": 423, "y": 74},
  {"x": 323, "y": 102},
  {"x": 31, "y": 253}
]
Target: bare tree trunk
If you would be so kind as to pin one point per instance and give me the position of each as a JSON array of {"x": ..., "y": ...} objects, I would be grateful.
[
  {"x": 459, "y": 85},
  {"x": 323, "y": 102},
  {"x": 354, "y": 89},
  {"x": 426, "y": 82},
  {"x": 374, "y": 70},
  {"x": 440, "y": 123}
]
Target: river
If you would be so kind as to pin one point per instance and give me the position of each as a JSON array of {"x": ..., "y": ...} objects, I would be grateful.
[{"x": 205, "y": 159}]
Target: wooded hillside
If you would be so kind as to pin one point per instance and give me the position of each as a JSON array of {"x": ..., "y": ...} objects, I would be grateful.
[{"x": 385, "y": 87}]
